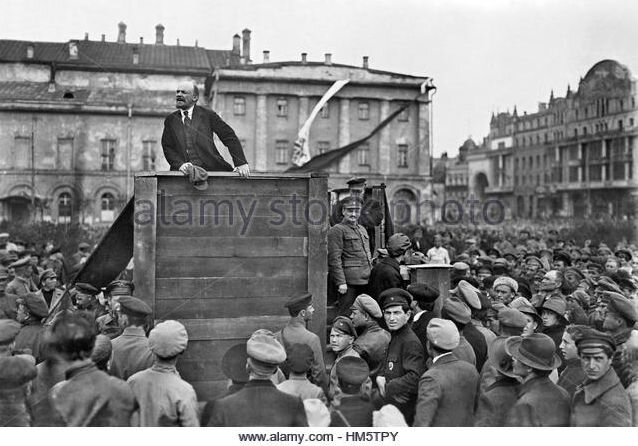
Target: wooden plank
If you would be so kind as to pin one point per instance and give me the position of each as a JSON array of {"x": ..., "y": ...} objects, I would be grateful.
[
  {"x": 229, "y": 267},
  {"x": 193, "y": 308},
  {"x": 218, "y": 287},
  {"x": 232, "y": 247},
  {"x": 238, "y": 226},
  {"x": 232, "y": 187},
  {"x": 231, "y": 328},
  {"x": 317, "y": 271},
  {"x": 144, "y": 253}
]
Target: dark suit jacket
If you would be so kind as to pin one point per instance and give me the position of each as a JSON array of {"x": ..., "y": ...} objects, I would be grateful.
[
  {"x": 205, "y": 123},
  {"x": 540, "y": 403},
  {"x": 446, "y": 394},
  {"x": 259, "y": 403}
]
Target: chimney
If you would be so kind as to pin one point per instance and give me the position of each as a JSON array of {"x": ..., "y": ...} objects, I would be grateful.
[
  {"x": 103, "y": 37},
  {"x": 266, "y": 56},
  {"x": 365, "y": 62},
  {"x": 236, "y": 44},
  {"x": 73, "y": 49},
  {"x": 121, "y": 35},
  {"x": 86, "y": 36},
  {"x": 196, "y": 43},
  {"x": 328, "y": 59},
  {"x": 246, "y": 45},
  {"x": 141, "y": 40},
  {"x": 30, "y": 51},
  {"x": 304, "y": 58},
  {"x": 159, "y": 34},
  {"x": 177, "y": 41}
]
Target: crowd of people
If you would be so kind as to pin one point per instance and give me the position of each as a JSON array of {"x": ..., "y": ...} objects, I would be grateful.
[{"x": 533, "y": 331}]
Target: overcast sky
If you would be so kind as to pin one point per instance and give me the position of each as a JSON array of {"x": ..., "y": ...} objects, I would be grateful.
[{"x": 484, "y": 56}]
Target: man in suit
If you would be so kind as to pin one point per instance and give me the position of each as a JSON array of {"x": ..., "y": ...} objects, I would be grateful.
[
  {"x": 447, "y": 390},
  {"x": 187, "y": 139}
]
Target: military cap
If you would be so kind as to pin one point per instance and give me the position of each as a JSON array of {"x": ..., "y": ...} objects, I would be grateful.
[
  {"x": 83, "y": 245},
  {"x": 352, "y": 202},
  {"x": 120, "y": 288},
  {"x": 264, "y": 347},
  {"x": 533, "y": 259},
  {"x": 367, "y": 304},
  {"x": 102, "y": 349},
  {"x": 299, "y": 302},
  {"x": 484, "y": 267},
  {"x": 604, "y": 250},
  {"x": 484, "y": 260},
  {"x": 456, "y": 310},
  {"x": 443, "y": 334},
  {"x": 356, "y": 181},
  {"x": 621, "y": 306},
  {"x": 469, "y": 294},
  {"x": 607, "y": 284},
  {"x": 460, "y": 266},
  {"x": 168, "y": 339},
  {"x": 36, "y": 305},
  {"x": 299, "y": 358},
  {"x": 133, "y": 305},
  {"x": 344, "y": 325},
  {"x": 19, "y": 263},
  {"x": 352, "y": 370},
  {"x": 510, "y": 252},
  {"x": 573, "y": 270},
  {"x": 536, "y": 350},
  {"x": 422, "y": 292},
  {"x": 500, "y": 262},
  {"x": 591, "y": 338},
  {"x": 234, "y": 363},
  {"x": 511, "y": 317},
  {"x": 398, "y": 244},
  {"x": 9, "y": 329},
  {"x": 624, "y": 253},
  {"x": 47, "y": 274},
  {"x": 86, "y": 288},
  {"x": 394, "y": 296},
  {"x": 507, "y": 281},
  {"x": 562, "y": 255}
]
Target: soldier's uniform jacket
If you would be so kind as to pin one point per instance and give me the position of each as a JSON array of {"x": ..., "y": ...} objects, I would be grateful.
[
  {"x": 353, "y": 410},
  {"x": 446, "y": 393},
  {"x": 334, "y": 391},
  {"x": 497, "y": 400},
  {"x": 131, "y": 353},
  {"x": 349, "y": 260},
  {"x": 601, "y": 403},
  {"x": 571, "y": 376},
  {"x": 18, "y": 287},
  {"x": 404, "y": 365},
  {"x": 108, "y": 326},
  {"x": 372, "y": 345},
  {"x": 540, "y": 403},
  {"x": 295, "y": 332}
]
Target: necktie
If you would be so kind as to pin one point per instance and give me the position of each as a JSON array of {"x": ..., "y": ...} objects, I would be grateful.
[{"x": 187, "y": 119}]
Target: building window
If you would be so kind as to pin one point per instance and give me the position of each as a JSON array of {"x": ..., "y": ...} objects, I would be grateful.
[
  {"x": 239, "y": 106},
  {"x": 282, "y": 107},
  {"x": 323, "y": 147},
  {"x": 631, "y": 122},
  {"x": 403, "y": 155},
  {"x": 405, "y": 114},
  {"x": 64, "y": 155},
  {"x": 148, "y": 154},
  {"x": 325, "y": 111},
  {"x": 65, "y": 207},
  {"x": 21, "y": 155},
  {"x": 620, "y": 124},
  {"x": 364, "y": 111},
  {"x": 108, "y": 154},
  {"x": 281, "y": 151},
  {"x": 107, "y": 212},
  {"x": 363, "y": 155}
]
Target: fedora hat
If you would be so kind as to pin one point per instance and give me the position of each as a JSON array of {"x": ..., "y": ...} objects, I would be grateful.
[
  {"x": 537, "y": 351},
  {"x": 500, "y": 359}
]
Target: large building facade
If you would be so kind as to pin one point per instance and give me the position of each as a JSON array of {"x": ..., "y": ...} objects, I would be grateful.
[
  {"x": 79, "y": 118},
  {"x": 576, "y": 156}
]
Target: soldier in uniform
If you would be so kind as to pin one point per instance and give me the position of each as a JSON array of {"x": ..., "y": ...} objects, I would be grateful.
[
  {"x": 31, "y": 310},
  {"x": 20, "y": 286},
  {"x": 398, "y": 379},
  {"x": 131, "y": 351},
  {"x": 108, "y": 323},
  {"x": 355, "y": 409},
  {"x": 85, "y": 296},
  {"x": 372, "y": 342}
]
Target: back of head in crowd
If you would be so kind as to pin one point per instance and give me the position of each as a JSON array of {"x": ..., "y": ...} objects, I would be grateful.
[{"x": 74, "y": 337}]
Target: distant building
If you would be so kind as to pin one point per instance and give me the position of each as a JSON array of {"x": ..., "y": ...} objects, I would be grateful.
[
  {"x": 574, "y": 157},
  {"x": 79, "y": 118}
]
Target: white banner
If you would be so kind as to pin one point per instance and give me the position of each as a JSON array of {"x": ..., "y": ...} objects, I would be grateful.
[{"x": 301, "y": 153}]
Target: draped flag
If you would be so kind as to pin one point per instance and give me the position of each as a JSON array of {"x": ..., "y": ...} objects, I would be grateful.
[{"x": 301, "y": 153}]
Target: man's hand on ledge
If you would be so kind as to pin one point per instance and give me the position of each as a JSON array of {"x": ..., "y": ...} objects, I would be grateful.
[
  {"x": 184, "y": 168},
  {"x": 243, "y": 170}
]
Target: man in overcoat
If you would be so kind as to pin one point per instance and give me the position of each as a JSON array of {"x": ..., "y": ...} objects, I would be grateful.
[
  {"x": 372, "y": 342},
  {"x": 131, "y": 351}
]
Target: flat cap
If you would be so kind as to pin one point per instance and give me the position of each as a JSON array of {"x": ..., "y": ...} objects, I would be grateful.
[
  {"x": 264, "y": 347},
  {"x": 352, "y": 370},
  {"x": 86, "y": 288},
  {"x": 398, "y": 244},
  {"x": 511, "y": 317},
  {"x": 344, "y": 325},
  {"x": 102, "y": 349},
  {"x": 591, "y": 338},
  {"x": 168, "y": 339},
  {"x": 534, "y": 259},
  {"x": 299, "y": 302},
  {"x": 422, "y": 292},
  {"x": 234, "y": 363},
  {"x": 35, "y": 303},
  {"x": 394, "y": 296},
  {"x": 573, "y": 270},
  {"x": 507, "y": 281},
  {"x": 562, "y": 255},
  {"x": 133, "y": 305},
  {"x": 456, "y": 310},
  {"x": 367, "y": 304},
  {"x": 356, "y": 181},
  {"x": 556, "y": 304},
  {"x": 500, "y": 263},
  {"x": 83, "y": 245},
  {"x": 22, "y": 262},
  {"x": 443, "y": 334},
  {"x": 469, "y": 294},
  {"x": 460, "y": 266},
  {"x": 299, "y": 358},
  {"x": 352, "y": 202},
  {"x": 9, "y": 329},
  {"x": 622, "y": 306}
]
